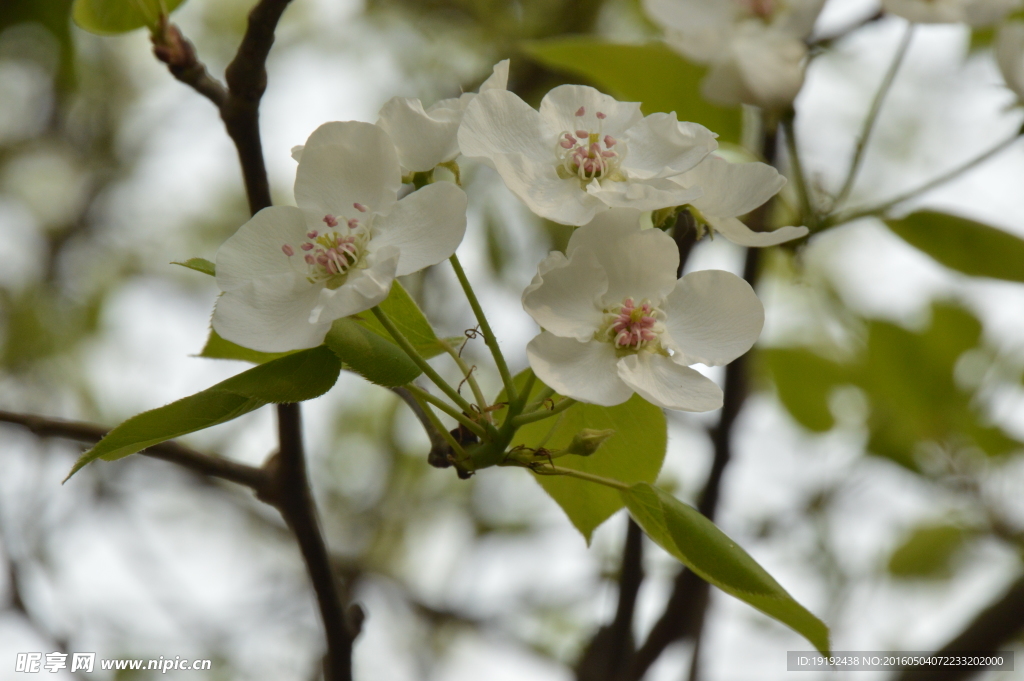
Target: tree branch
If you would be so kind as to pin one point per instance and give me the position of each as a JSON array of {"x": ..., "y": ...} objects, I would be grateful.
[
  {"x": 240, "y": 473},
  {"x": 993, "y": 627}
]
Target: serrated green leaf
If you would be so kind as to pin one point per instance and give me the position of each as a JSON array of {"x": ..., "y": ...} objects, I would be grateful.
[
  {"x": 369, "y": 354},
  {"x": 651, "y": 74},
  {"x": 110, "y": 17},
  {"x": 634, "y": 453},
  {"x": 410, "y": 320},
  {"x": 218, "y": 348},
  {"x": 804, "y": 380},
  {"x": 298, "y": 377},
  {"x": 964, "y": 245},
  {"x": 928, "y": 552},
  {"x": 199, "y": 265},
  {"x": 697, "y": 543}
]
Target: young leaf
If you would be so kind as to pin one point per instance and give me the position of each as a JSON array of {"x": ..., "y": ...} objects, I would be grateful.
[
  {"x": 370, "y": 355},
  {"x": 697, "y": 543},
  {"x": 199, "y": 265},
  {"x": 804, "y": 380},
  {"x": 298, "y": 377},
  {"x": 964, "y": 245},
  {"x": 110, "y": 17},
  {"x": 633, "y": 454},
  {"x": 219, "y": 348},
  {"x": 929, "y": 552},
  {"x": 651, "y": 74},
  {"x": 407, "y": 316}
]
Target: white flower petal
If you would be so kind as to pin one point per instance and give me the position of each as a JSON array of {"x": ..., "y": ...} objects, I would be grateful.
[
  {"x": 364, "y": 288},
  {"x": 423, "y": 139},
  {"x": 664, "y": 383},
  {"x": 732, "y": 189},
  {"x": 567, "y": 300},
  {"x": 498, "y": 122},
  {"x": 254, "y": 251},
  {"x": 638, "y": 263},
  {"x": 582, "y": 371},
  {"x": 549, "y": 196},
  {"x": 1010, "y": 55},
  {"x": 712, "y": 317},
  {"x": 559, "y": 107},
  {"x": 498, "y": 80},
  {"x": 269, "y": 318},
  {"x": 693, "y": 15},
  {"x": 643, "y": 194},
  {"x": 738, "y": 233},
  {"x": 347, "y": 163},
  {"x": 661, "y": 146},
  {"x": 426, "y": 226},
  {"x": 297, "y": 152},
  {"x": 772, "y": 67}
]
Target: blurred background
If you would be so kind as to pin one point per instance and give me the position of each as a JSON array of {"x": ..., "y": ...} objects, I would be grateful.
[{"x": 877, "y": 465}]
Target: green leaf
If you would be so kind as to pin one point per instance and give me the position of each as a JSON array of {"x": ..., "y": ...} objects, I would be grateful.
[
  {"x": 109, "y": 17},
  {"x": 929, "y": 552},
  {"x": 410, "y": 320},
  {"x": 633, "y": 454},
  {"x": 697, "y": 543},
  {"x": 219, "y": 348},
  {"x": 298, "y": 377},
  {"x": 804, "y": 380},
  {"x": 370, "y": 355},
  {"x": 651, "y": 74},
  {"x": 199, "y": 265},
  {"x": 964, "y": 245}
]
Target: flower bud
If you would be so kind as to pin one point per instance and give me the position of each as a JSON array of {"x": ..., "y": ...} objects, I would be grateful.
[{"x": 586, "y": 442}]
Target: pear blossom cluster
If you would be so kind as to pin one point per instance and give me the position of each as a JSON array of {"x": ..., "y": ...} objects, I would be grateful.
[{"x": 615, "y": 319}]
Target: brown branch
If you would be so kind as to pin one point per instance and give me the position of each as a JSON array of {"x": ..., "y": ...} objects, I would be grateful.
[
  {"x": 683, "y": 616},
  {"x": 440, "y": 455},
  {"x": 250, "y": 476},
  {"x": 992, "y": 628}
]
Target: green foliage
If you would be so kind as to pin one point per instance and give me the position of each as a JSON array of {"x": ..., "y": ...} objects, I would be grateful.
[
  {"x": 964, "y": 245},
  {"x": 804, "y": 380},
  {"x": 403, "y": 311},
  {"x": 110, "y": 17},
  {"x": 373, "y": 357},
  {"x": 199, "y": 265},
  {"x": 699, "y": 545},
  {"x": 633, "y": 454},
  {"x": 298, "y": 377},
  {"x": 219, "y": 348},
  {"x": 908, "y": 380},
  {"x": 929, "y": 552},
  {"x": 651, "y": 74}
]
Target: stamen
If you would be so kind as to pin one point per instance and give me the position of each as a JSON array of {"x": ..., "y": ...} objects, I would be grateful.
[
  {"x": 601, "y": 115},
  {"x": 306, "y": 246},
  {"x": 312, "y": 235},
  {"x": 580, "y": 111},
  {"x": 582, "y": 134},
  {"x": 330, "y": 221},
  {"x": 287, "y": 250},
  {"x": 353, "y": 223},
  {"x": 609, "y": 141},
  {"x": 310, "y": 259},
  {"x": 359, "y": 207}
]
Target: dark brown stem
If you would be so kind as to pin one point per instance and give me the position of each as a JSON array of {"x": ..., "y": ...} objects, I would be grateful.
[
  {"x": 994, "y": 627},
  {"x": 683, "y": 616},
  {"x": 254, "y": 478},
  {"x": 440, "y": 455},
  {"x": 289, "y": 492}
]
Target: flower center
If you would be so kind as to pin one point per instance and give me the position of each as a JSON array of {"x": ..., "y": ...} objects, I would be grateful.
[
  {"x": 332, "y": 253},
  {"x": 588, "y": 154},
  {"x": 633, "y": 327}
]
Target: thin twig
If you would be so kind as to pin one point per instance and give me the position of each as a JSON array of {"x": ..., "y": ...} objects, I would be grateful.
[
  {"x": 440, "y": 450},
  {"x": 808, "y": 216},
  {"x": 872, "y": 117},
  {"x": 250, "y": 476},
  {"x": 882, "y": 208}
]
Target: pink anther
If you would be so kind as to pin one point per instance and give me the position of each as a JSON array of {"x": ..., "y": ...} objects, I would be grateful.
[
  {"x": 359, "y": 207},
  {"x": 609, "y": 141},
  {"x": 288, "y": 250},
  {"x": 330, "y": 221},
  {"x": 580, "y": 111},
  {"x": 601, "y": 115}
]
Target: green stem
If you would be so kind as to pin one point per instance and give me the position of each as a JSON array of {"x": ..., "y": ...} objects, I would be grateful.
[
  {"x": 849, "y": 216},
  {"x": 485, "y": 328},
  {"x": 418, "y": 395},
  {"x": 541, "y": 414},
  {"x": 531, "y": 379},
  {"x": 543, "y": 396},
  {"x": 872, "y": 117},
  {"x": 404, "y": 343},
  {"x": 467, "y": 371},
  {"x": 549, "y": 469},
  {"x": 799, "y": 179},
  {"x": 424, "y": 396}
]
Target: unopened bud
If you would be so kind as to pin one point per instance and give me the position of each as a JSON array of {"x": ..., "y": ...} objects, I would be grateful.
[{"x": 586, "y": 442}]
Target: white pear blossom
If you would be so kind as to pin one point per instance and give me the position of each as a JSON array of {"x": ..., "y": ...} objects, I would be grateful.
[
  {"x": 426, "y": 138},
  {"x": 289, "y": 272},
  {"x": 1010, "y": 55},
  {"x": 734, "y": 189},
  {"x": 756, "y": 49},
  {"x": 583, "y": 152},
  {"x": 973, "y": 12},
  {"x": 616, "y": 320}
]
